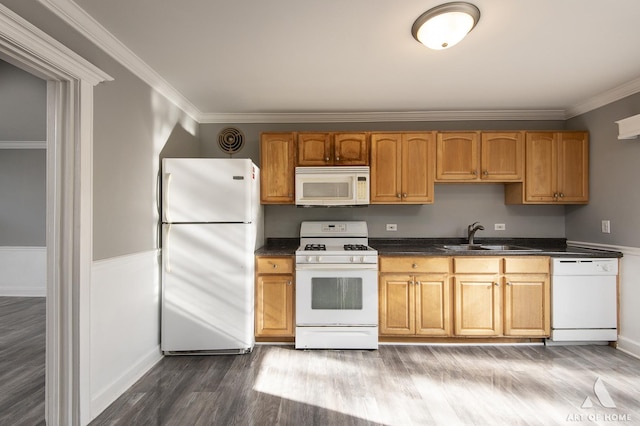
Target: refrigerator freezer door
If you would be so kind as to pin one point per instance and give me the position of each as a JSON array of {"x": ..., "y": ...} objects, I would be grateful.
[
  {"x": 207, "y": 190},
  {"x": 208, "y": 291}
]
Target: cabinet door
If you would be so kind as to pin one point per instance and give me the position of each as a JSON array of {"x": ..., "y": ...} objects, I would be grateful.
[
  {"x": 314, "y": 149},
  {"x": 477, "y": 305},
  {"x": 541, "y": 167},
  {"x": 350, "y": 149},
  {"x": 526, "y": 305},
  {"x": 277, "y": 168},
  {"x": 417, "y": 167},
  {"x": 396, "y": 304},
  {"x": 502, "y": 156},
  {"x": 274, "y": 305},
  {"x": 573, "y": 167},
  {"x": 385, "y": 168},
  {"x": 458, "y": 156},
  {"x": 433, "y": 305}
]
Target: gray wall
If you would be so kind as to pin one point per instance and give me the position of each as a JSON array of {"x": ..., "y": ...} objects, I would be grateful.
[
  {"x": 23, "y": 117},
  {"x": 455, "y": 206},
  {"x": 614, "y": 193},
  {"x": 23, "y": 105},
  {"x": 132, "y": 126}
]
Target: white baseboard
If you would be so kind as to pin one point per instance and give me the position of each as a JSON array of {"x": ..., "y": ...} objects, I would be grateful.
[
  {"x": 124, "y": 381},
  {"x": 24, "y": 271},
  {"x": 125, "y": 324},
  {"x": 629, "y": 346}
]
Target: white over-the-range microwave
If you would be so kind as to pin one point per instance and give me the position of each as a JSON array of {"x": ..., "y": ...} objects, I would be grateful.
[{"x": 332, "y": 186}]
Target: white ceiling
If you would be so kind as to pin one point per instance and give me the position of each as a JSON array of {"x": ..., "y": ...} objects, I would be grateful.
[{"x": 358, "y": 56}]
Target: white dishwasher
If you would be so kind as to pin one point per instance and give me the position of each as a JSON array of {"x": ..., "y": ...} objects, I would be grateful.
[{"x": 584, "y": 300}]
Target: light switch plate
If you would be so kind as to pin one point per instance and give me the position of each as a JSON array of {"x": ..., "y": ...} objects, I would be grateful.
[{"x": 606, "y": 227}]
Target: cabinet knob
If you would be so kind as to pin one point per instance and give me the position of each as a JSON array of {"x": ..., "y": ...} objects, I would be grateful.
[
  {"x": 275, "y": 266},
  {"x": 561, "y": 195},
  {"x": 414, "y": 266},
  {"x": 326, "y": 159},
  {"x": 555, "y": 195},
  {"x": 508, "y": 282},
  {"x": 486, "y": 173},
  {"x": 418, "y": 282},
  {"x": 404, "y": 195},
  {"x": 289, "y": 282},
  {"x": 337, "y": 158},
  {"x": 474, "y": 172},
  {"x": 398, "y": 195},
  {"x": 496, "y": 284}
]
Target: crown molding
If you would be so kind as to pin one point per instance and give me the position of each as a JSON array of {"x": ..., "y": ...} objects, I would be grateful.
[
  {"x": 81, "y": 21},
  {"x": 364, "y": 117},
  {"x": 605, "y": 98},
  {"x": 16, "y": 31}
]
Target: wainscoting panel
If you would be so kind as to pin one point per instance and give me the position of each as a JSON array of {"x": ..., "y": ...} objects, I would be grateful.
[
  {"x": 125, "y": 324},
  {"x": 24, "y": 271},
  {"x": 629, "y": 294}
]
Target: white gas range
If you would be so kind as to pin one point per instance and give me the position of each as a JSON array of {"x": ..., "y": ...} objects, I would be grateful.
[{"x": 336, "y": 287}]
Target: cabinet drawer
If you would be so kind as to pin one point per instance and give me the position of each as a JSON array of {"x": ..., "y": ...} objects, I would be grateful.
[
  {"x": 526, "y": 265},
  {"x": 414, "y": 264},
  {"x": 274, "y": 265},
  {"x": 476, "y": 265}
]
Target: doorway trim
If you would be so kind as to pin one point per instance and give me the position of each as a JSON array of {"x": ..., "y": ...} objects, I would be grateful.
[{"x": 70, "y": 82}]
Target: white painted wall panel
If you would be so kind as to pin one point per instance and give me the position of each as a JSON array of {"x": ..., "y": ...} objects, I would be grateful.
[
  {"x": 23, "y": 271},
  {"x": 125, "y": 324}
]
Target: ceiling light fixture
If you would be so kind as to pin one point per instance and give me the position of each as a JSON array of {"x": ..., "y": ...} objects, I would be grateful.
[{"x": 446, "y": 25}]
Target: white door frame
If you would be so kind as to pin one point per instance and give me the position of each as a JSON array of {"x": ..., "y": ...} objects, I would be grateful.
[{"x": 70, "y": 82}]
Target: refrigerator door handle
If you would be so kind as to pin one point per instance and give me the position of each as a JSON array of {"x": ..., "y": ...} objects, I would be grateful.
[
  {"x": 165, "y": 199},
  {"x": 165, "y": 249}
]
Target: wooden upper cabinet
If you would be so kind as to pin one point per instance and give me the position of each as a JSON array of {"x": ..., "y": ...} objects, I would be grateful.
[
  {"x": 350, "y": 149},
  {"x": 314, "y": 149},
  {"x": 402, "y": 168},
  {"x": 556, "y": 170},
  {"x": 332, "y": 149},
  {"x": 458, "y": 156},
  {"x": 502, "y": 156},
  {"x": 277, "y": 168},
  {"x": 480, "y": 156}
]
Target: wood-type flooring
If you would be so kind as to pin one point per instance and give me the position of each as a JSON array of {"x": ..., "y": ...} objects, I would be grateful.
[
  {"x": 395, "y": 385},
  {"x": 22, "y": 358}
]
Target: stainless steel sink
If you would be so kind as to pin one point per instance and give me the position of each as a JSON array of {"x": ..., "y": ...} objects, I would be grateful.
[
  {"x": 508, "y": 248},
  {"x": 464, "y": 247},
  {"x": 490, "y": 247}
]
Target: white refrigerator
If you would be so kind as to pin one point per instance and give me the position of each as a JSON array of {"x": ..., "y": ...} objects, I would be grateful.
[{"x": 211, "y": 226}]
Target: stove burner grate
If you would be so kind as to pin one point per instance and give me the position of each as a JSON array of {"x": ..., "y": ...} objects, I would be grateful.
[
  {"x": 355, "y": 247},
  {"x": 315, "y": 247}
]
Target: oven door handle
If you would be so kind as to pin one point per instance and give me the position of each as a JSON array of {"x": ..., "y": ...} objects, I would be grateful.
[{"x": 336, "y": 267}]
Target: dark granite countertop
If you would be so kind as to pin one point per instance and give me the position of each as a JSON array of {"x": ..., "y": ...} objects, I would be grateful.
[{"x": 554, "y": 247}]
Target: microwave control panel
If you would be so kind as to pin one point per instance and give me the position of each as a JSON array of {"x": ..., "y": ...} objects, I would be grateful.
[{"x": 362, "y": 188}]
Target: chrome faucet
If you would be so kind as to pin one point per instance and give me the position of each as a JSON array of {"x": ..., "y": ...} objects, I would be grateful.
[{"x": 472, "y": 229}]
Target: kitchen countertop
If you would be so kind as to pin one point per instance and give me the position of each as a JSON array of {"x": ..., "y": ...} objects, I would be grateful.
[{"x": 554, "y": 247}]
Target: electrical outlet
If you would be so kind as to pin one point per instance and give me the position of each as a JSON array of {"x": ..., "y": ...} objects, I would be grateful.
[
  {"x": 606, "y": 227},
  {"x": 392, "y": 226},
  {"x": 499, "y": 227}
]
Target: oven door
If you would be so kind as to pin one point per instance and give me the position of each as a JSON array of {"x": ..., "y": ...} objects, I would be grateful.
[{"x": 336, "y": 295}]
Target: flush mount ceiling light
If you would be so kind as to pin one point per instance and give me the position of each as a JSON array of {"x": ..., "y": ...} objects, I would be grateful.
[{"x": 445, "y": 25}]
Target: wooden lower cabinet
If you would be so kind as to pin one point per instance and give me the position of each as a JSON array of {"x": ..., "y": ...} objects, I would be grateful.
[
  {"x": 477, "y": 305},
  {"x": 274, "y": 308},
  {"x": 415, "y": 301},
  {"x": 492, "y": 296},
  {"x": 527, "y": 297}
]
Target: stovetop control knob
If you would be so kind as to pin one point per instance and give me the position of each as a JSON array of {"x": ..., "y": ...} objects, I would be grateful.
[{"x": 309, "y": 258}]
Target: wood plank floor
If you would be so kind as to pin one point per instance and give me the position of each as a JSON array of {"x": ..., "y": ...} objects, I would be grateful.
[
  {"x": 22, "y": 358},
  {"x": 396, "y": 385}
]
